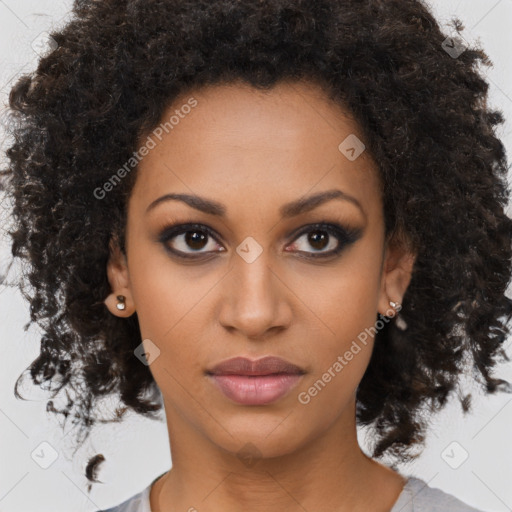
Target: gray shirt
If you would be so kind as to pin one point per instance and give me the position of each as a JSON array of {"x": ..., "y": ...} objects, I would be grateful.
[{"x": 416, "y": 496}]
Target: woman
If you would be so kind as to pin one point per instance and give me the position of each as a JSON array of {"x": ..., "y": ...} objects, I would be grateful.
[{"x": 276, "y": 219}]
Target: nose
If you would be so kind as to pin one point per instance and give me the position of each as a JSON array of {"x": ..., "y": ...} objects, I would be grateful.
[{"x": 255, "y": 300}]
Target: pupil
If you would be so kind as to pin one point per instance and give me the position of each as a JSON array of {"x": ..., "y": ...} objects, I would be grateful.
[
  {"x": 195, "y": 239},
  {"x": 318, "y": 239}
]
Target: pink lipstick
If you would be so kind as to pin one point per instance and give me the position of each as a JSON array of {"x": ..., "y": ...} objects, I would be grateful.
[{"x": 255, "y": 382}]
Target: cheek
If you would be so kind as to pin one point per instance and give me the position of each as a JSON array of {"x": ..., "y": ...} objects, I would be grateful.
[
  {"x": 163, "y": 291},
  {"x": 171, "y": 315},
  {"x": 169, "y": 311},
  {"x": 341, "y": 353},
  {"x": 343, "y": 299},
  {"x": 344, "y": 302},
  {"x": 172, "y": 304}
]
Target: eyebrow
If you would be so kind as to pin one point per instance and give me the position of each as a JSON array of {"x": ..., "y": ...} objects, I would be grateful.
[{"x": 288, "y": 210}]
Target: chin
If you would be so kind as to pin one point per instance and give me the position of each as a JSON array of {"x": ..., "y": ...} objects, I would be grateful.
[{"x": 260, "y": 439}]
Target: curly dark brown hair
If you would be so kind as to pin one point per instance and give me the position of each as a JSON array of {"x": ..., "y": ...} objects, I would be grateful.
[{"x": 423, "y": 113}]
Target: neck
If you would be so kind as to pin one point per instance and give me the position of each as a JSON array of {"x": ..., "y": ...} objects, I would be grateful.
[{"x": 328, "y": 472}]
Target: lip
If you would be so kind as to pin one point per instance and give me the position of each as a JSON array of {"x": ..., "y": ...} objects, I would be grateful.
[
  {"x": 257, "y": 382},
  {"x": 256, "y": 390},
  {"x": 264, "y": 366}
]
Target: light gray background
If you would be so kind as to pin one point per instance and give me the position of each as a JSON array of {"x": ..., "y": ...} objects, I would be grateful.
[{"x": 138, "y": 451}]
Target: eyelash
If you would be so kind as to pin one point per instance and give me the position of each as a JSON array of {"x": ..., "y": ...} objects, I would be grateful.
[{"x": 345, "y": 236}]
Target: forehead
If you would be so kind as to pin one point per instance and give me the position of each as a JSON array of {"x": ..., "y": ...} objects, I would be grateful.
[{"x": 230, "y": 139}]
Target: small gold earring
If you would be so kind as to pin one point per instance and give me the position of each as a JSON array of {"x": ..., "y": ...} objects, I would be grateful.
[{"x": 121, "y": 304}]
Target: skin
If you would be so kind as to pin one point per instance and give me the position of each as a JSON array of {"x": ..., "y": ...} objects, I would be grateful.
[{"x": 254, "y": 151}]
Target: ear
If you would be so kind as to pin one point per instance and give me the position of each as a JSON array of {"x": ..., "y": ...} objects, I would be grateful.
[
  {"x": 396, "y": 275},
  {"x": 118, "y": 277}
]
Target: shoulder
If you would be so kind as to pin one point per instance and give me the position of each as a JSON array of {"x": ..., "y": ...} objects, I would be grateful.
[
  {"x": 137, "y": 503},
  {"x": 418, "y": 496}
]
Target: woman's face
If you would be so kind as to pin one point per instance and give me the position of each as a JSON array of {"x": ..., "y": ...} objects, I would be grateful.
[{"x": 255, "y": 275}]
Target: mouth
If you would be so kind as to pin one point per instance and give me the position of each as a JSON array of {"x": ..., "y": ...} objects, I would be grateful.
[
  {"x": 257, "y": 382},
  {"x": 265, "y": 366}
]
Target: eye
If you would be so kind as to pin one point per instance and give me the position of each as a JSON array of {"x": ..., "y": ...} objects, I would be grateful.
[
  {"x": 188, "y": 239},
  {"x": 325, "y": 239},
  {"x": 194, "y": 241}
]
